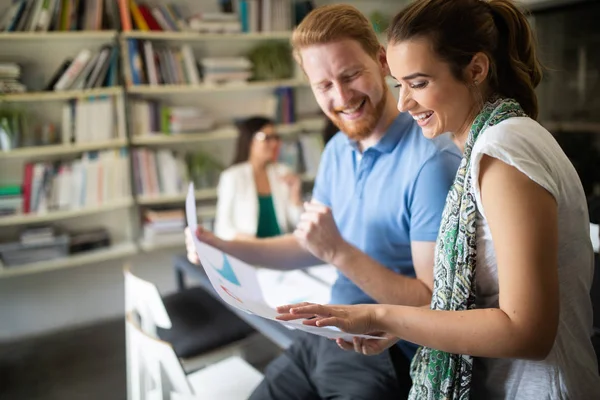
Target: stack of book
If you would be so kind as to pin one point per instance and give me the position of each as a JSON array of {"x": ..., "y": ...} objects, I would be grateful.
[
  {"x": 35, "y": 244},
  {"x": 285, "y": 107},
  {"x": 87, "y": 70},
  {"x": 95, "y": 179},
  {"x": 226, "y": 69},
  {"x": 150, "y": 117},
  {"x": 163, "y": 17},
  {"x": 159, "y": 172},
  {"x": 156, "y": 65},
  {"x": 11, "y": 200},
  {"x": 164, "y": 226},
  {"x": 265, "y": 15},
  {"x": 9, "y": 78},
  {"x": 60, "y": 15},
  {"x": 92, "y": 120},
  {"x": 215, "y": 23}
]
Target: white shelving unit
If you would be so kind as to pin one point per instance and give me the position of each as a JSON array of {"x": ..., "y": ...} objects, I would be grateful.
[
  {"x": 194, "y": 36},
  {"x": 26, "y": 219},
  {"x": 203, "y": 194},
  {"x": 43, "y": 53},
  {"x": 178, "y": 89},
  {"x": 31, "y": 97},
  {"x": 117, "y": 251},
  {"x": 222, "y": 133},
  {"x": 58, "y": 35},
  {"x": 60, "y": 149}
]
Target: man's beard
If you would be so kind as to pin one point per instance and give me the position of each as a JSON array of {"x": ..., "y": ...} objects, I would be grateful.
[{"x": 364, "y": 126}]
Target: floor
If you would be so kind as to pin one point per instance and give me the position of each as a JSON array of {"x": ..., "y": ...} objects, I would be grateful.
[{"x": 84, "y": 363}]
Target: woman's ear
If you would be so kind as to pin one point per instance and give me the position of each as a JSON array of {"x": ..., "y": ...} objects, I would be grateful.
[{"x": 478, "y": 69}]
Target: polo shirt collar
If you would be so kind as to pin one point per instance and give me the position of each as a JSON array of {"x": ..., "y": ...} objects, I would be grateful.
[{"x": 392, "y": 136}]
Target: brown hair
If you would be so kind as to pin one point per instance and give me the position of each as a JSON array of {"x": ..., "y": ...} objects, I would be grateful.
[
  {"x": 246, "y": 131},
  {"x": 333, "y": 23},
  {"x": 460, "y": 28}
]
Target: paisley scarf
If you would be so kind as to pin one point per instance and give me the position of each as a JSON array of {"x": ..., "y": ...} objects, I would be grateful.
[{"x": 437, "y": 374}]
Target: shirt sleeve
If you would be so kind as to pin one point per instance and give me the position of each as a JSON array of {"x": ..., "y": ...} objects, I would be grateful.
[
  {"x": 429, "y": 196},
  {"x": 322, "y": 185},
  {"x": 224, "y": 227}
]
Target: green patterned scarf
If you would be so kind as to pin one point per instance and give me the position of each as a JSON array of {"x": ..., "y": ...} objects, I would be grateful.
[{"x": 437, "y": 374}]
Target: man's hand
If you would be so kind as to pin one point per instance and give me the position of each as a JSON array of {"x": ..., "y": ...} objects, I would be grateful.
[
  {"x": 204, "y": 236},
  {"x": 369, "y": 347},
  {"x": 317, "y": 232}
]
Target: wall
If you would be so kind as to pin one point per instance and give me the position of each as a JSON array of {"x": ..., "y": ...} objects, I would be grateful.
[{"x": 39, "y": 303}]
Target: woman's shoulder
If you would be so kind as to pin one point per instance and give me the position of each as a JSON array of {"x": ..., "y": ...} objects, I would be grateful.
[{"x": 235, "y": 172}]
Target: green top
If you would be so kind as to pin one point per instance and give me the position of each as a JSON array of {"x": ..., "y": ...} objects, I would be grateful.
[{"x": 267, "y": 220}]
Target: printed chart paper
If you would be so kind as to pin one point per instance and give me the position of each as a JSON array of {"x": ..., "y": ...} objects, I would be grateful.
[{"x": 237, "y": 284}]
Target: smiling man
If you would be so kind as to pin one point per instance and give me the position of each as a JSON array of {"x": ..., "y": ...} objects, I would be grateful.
[{"x": 375, "y": 213}]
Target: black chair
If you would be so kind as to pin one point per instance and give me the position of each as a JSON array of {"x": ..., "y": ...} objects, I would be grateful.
[
  {"x": 203, "y": 330},
  {"x": 595, "y": 295}
]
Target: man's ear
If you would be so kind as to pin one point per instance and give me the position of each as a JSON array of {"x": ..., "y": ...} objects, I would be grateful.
[
  {"x": 298, "y": 59},
  {"x": 478, "y": 69},
  {"x": 382, "y": 60}
]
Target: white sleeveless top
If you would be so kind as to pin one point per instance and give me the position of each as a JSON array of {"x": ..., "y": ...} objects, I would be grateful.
[{"x": 570, "y": 371}]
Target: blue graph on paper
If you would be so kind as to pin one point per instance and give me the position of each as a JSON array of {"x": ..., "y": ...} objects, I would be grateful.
[{"x": 227, "y": 271}]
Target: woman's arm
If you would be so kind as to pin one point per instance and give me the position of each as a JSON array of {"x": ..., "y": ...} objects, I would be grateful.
[
  {"x": 224, "y": 226},
  {"x": 523, "y": 220}
]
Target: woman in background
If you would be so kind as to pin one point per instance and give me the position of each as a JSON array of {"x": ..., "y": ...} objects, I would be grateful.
[
  {"x": 257, "y": 196},
  {"x": 510, "y": 314}
]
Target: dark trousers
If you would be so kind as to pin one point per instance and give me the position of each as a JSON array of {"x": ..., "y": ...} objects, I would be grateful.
[{"x": 316, "y": 368}]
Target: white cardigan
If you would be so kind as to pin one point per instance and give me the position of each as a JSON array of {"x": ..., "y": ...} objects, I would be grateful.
[{"x": 237, "y": 202}]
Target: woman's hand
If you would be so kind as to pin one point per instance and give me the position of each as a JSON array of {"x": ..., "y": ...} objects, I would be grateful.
[
  {"x": 356, "y": 319},
  {"x": 294, "y": 184},
  {"x": 204, "y": 236}
]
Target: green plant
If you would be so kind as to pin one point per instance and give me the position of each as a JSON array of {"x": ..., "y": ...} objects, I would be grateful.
[
  {"x": 271, "y": 60},
  {"x": 203, "y": 170}
]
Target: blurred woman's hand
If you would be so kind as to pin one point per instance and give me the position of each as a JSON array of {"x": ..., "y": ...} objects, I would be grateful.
[
  {"x": 294, "y": 183},
  {"x": 204, "y": 236}
]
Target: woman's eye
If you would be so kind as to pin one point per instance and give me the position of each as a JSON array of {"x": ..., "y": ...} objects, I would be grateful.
[
  {"x": 397, "y": 85},
  {"x": 419, "y": 85}
]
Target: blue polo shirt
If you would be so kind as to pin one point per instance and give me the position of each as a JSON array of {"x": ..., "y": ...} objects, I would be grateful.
[{"x": 391, "y": 195}]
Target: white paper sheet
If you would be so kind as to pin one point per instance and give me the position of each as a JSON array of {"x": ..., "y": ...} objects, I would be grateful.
[{"x": 237, "y": 284}]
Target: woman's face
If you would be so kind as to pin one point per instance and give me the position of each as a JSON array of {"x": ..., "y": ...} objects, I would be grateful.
[
  {"x": 265, "y": 145},
  {"x": 429, "y": 91}
]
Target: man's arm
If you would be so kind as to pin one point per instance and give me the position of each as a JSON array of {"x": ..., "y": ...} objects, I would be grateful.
[{"x": 386, "y": 286}]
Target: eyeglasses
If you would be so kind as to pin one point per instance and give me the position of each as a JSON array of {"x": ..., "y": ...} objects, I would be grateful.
[{"x": 263, "y": 137}]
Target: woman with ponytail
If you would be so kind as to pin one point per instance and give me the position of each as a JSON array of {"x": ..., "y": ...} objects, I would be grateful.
[{"x": 510, "y": 315}]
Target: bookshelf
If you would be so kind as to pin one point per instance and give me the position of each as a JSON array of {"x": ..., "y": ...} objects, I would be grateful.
[
  {"x": 63, "y": 215},
  {"x": 58, "y": 35},
  {"x": 196, "y": 36},
  {"x": 33, "y": 97},
  {"x": 204, "y": 194},
  {"x": 114, "y": 252},
  {"x": 40, "y": 152},
  {"x": 205, "y": 88},
  {"x": 41, "y": 53}
]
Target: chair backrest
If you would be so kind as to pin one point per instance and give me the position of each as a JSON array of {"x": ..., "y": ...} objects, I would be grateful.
[
  {"x": 143, "y": 297},
  {"x": 156, "y": 371}
]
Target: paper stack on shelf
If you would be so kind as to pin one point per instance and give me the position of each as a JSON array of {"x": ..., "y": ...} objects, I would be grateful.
[
  {"x": 162, "y": 226},
  {"x": 9, "y": 78},
  {"x": 225, "y": 69}
]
